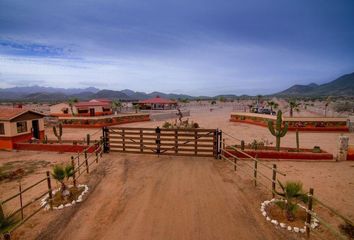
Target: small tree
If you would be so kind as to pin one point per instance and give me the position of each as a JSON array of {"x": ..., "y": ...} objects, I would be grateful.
[
  {"x": 328, "y": 101},
  {"x": 279, "y": 131},
  {"x": 294, "y": 106},
  {"x": 292, "y": 194},
  {"x": 136, "y": 108},
  {"x": 115, "y": 105},
  {"x": 59, "y": 133},
  {"x": 71, "y": 102},
  {"x": 61, "y": 173}
]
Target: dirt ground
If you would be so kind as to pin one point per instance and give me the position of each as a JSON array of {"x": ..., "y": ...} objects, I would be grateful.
[{"x": 146, "y": 197}]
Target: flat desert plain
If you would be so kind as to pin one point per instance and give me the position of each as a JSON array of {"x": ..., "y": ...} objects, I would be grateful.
[{"x": 164, "y": 197}]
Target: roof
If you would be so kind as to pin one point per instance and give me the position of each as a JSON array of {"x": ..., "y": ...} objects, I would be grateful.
[
  {"x": 158, "y": 100},
  {"x": 92, "y": 104},
  {"x": 7, "y": 114},
  {"x": 106, "y": 100}
]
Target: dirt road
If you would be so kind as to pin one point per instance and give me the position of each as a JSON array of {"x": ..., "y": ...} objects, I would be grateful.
[{"x": 140, "y": 197}]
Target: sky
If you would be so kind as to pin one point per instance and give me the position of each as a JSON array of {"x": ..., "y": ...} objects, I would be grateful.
[{"x": 195, "y": 47}]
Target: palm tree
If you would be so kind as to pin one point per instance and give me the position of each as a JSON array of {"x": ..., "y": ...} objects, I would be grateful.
[
  {"x": 292, "y": 194},
  {"x": 273, "y": 105},
  {"x": 71, "y": 102},
  {"x": 60, "y": 173},
  {"x": 115, "y": 105},
  {"x": 293, "y": 105},
  {"x": 7, "y": 222}
]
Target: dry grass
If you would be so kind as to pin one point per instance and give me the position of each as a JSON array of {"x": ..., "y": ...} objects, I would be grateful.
[{"x": 75, "y": 192}]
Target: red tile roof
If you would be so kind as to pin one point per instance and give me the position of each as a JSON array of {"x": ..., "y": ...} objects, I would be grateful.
[
  {"x": 157, "y": 100},
  {"x": 6, "y": 114}
]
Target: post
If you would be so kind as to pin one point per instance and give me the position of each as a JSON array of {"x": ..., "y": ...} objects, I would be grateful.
[
  {"x": 309, "y": 216},
  {"x": 96, "y": 155},
  {"x": 220, "y": 144},
  {"x": 86, "y": 162},
  {"x": 21, "y": 202},
  {"x": 105, "y": 132},
  {"x": 74, "y": 174},
  {"x": 78, "y": 161},
  {"x": 101, "y": 146},
  {"x": 235, "y": 166},
  {"x": 274, "y": 179},
  {"x": 50, "y": 199},
  {"x": 255, "y": 169},
  {"x": 242, "y": 145},
  {"x": 195, "y": 142},
  {"x": 158, "y": 140},
  {"x": 88, "y": 139},
  {"x": 141, "y": 141},
  {"x": 123, "y": 139},
  {"x": 176, "y": 141},
  {"x": 223, "y": 143},
  {"x": 215, "y": 146}
]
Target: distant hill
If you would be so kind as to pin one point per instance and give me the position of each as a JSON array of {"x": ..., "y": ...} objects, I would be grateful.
[{"x": 342, "y": 86}]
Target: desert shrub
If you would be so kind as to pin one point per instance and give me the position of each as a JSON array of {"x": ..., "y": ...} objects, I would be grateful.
[
  {"x": 316, "y": 149},
  {"x": 347, "y": 229},
  {"x": 167, "y": 125}
]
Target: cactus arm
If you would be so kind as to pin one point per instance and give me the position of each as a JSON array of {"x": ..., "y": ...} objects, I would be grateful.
[{"x": 271, "y": 128}]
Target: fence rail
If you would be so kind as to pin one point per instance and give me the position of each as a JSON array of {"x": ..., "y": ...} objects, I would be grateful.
[
  {"x": 95, "y": 155},
  {"x": 233, "y": 159}
]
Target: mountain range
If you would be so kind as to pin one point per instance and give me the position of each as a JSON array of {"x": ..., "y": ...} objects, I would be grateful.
[{"x": 342, "y": 86}]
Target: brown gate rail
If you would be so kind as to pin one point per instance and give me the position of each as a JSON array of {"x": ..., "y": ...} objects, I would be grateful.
[{"x": 183, "y": 142}]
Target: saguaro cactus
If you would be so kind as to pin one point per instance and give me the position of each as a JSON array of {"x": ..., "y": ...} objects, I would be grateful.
[
  {"x": 279, "y": 131},
  {"x": 59, "y": 133}
]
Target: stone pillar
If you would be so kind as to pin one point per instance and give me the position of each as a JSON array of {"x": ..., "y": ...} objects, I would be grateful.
[{"x": 342, "y": 150}]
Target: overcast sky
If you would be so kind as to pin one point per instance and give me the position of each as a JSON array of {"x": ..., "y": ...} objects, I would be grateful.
[{"x": 182, "y": 46}]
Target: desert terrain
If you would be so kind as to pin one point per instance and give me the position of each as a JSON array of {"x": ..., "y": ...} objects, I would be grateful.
[{"x": 150, "y": 197}]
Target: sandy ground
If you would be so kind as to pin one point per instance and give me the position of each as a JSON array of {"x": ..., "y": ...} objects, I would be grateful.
[
  {"x": 146, "y": 197},
  {"x": 166, "y": 198}
]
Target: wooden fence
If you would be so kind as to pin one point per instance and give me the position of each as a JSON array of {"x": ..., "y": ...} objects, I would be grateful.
[
  {"x": 87, "y": 159},
  {"x": 182, "y": 142},
  {"x": 252, "y": 170}
]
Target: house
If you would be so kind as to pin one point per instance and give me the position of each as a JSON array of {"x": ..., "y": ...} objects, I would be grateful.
[
  {"x": 94, "y": 107},
  {"x": 18, "y": 125},
  {"x": 157, "y": 103}
]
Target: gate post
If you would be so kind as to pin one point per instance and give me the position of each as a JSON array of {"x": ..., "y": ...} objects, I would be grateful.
[
  {"x": 105, "y": 139},
  {"x": 158, "y": 140},
  {"x": 219, "y": 143}
]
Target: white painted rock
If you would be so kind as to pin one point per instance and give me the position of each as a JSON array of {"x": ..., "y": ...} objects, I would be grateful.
[
  {"x": 60, "y": 207},
  {"x": 283, "y": 225},
  {"x": 289, "y": 228},
  {"x": 275, "y": 222},
  {"x": 73, "y": 202},
  {"x": 264, "y": 213},
  {"x": 68, "y": 205},
  {"x": 296, "y": 229},
  {"x": 303, "y": 230},
  {"x": 268, "y": 219},
  {"x": 79, "y": 200}
]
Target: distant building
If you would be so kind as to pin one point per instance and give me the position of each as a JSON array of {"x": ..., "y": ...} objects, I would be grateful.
[
  {"x": 157, "y": 103},
  {"x": 18, "y": 125},
  {"x": 94, "y": 107}
]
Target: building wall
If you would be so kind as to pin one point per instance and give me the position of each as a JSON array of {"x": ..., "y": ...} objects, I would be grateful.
[
  {"x": 57, "y": 109},
  {"x": 11, "y": 135}
]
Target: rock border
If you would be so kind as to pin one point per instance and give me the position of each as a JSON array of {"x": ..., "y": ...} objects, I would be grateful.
[
  {"x": 314, "y": 221},
  {"x": 44, "y": 201}
]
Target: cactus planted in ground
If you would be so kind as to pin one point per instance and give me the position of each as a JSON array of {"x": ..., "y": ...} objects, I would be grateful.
[
  {"x": 59, "y": 133},
  {"x": 279, "y": 130}
]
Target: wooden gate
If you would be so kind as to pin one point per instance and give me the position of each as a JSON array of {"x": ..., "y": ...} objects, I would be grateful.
[{"x": 183, "y": 142}]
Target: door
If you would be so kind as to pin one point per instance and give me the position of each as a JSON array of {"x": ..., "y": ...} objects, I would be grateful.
[
  {"x": 35, "y": 129},
  {"x": 92, "y": 112}
]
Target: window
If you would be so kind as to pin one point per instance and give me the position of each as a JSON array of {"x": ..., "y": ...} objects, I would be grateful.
[
  {"x": 2, "y": 129},
  {"x": 82, "y": 110},
  {"x": 21, "y": 127}
]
